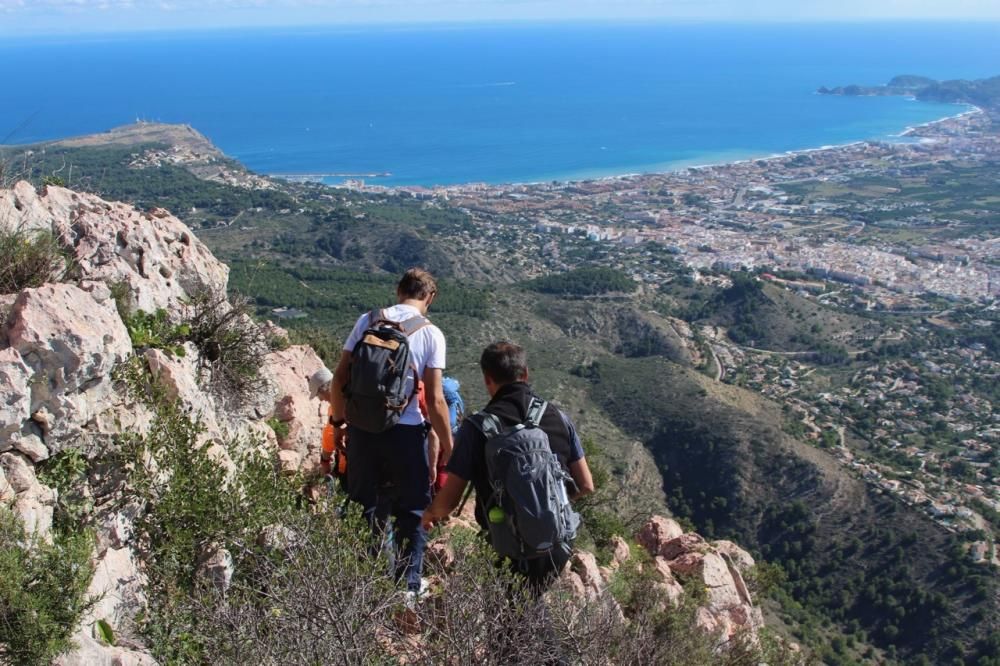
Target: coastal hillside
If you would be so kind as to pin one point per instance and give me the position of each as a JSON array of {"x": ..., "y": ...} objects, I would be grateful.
[
  {"x": 159, "y": 501},
  {"x": 984, "y": 93},
  {"x": 835, "y": 425}
]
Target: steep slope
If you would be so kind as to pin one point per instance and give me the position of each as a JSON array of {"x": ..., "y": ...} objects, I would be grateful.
[
  {"x": 179, "y": 500},
  {"x": 875, "y": 568},
  {"x": 849, "y": 551}
]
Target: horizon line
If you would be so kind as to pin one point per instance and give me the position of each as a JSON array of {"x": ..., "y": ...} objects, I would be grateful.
[{"x": 435, "y": 24}]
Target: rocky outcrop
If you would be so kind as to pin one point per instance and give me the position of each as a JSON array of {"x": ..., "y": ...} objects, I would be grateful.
[
  {"x": 153, "y": 254},
  {"x": 717, "y": 567},
  {"x": 59, "y": 347},
  {"x": 657, "y": 531},
  {"x": 681, "y": 561},
  {"x": 302, "y": 414},
  {"x": 71, "y": 343}
]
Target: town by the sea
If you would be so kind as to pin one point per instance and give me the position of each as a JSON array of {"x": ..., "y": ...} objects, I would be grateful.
[{"x": 510, "y": 103}]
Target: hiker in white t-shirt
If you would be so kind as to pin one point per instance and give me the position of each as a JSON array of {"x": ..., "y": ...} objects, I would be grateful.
[{"x": 390, "y": 467}]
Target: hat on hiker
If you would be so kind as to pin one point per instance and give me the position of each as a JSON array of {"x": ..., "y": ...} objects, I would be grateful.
[{"x": 320, "y": 382}]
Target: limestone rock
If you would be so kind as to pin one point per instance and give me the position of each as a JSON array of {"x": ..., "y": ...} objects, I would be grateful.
[
  {"x": 116, "y": 530},
  {"x": 290, "y": 370},
  {"x": 713, "y": 572},
  {"x": 31, "y": 446},
  {"x": 440, "y": 556},
  {"x": 217, "y": 568},
  {"x": 19, "y": 472},
  {"x": 178, "y": 376},
  {"x": 707, "y": 622},
  {"x": 91, "y": 652},
  {"x": 584, "y": 564},
  {"x": 35, "y": 508},
  {"x": 620, "y": 551},
  {"x": 656, "y": 532},
  {"x": 6, "y": 491},
  {"x": 742, "y": 559},
  {"x": 685, "y": 543},
  {"x": 289, "y": 461},
  {"x": 669, "y": 584},
  {"x": 572, "y": 582},
  {"x": 15, "y": 394},
  {"x": 72, "y": 343},
  {"x": 277, "y": 538},
  {"x": 154, "y": 254},
  {"x": 118, "y": 585}
]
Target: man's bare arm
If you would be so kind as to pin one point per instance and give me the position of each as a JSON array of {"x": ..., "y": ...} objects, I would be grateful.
[
  {"x": 340, "y": 378},
  {"x": 580, "y": 471},
  {"x": 444, "y": 502},
  {"x": 433, "y": 453},
  {"x": 437, "y": 411}
]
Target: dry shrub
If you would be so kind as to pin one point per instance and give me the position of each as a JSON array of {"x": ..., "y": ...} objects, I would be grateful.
[
  {"x": 232, "y": 346},
  {"x": 28, "y": 259},
  {"x": 324, "y": 597},
  {"x": 319, "y": 596}
]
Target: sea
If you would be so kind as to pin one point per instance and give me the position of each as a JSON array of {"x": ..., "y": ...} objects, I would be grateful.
[{"x": 447, "y": 104}]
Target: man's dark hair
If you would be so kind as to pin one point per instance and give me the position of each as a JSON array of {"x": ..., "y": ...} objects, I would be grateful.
[
  {"x": 504, "y": 362},
  {"x": 416, "y": 283}
]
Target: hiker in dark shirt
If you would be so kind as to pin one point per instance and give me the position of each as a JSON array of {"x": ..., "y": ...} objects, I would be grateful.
[{"x": 505, "y": 374}]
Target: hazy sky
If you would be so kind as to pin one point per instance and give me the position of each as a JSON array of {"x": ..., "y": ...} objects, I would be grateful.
[{"x": 26, "y": 17}]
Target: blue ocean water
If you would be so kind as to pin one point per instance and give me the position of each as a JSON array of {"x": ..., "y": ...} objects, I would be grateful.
[{"x": 452, "y": 104}]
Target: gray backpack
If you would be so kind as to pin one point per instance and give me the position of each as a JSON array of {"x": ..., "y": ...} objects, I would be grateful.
[
  {"x": 380, "y": 386},
  {"x": 528, "y": 512}
]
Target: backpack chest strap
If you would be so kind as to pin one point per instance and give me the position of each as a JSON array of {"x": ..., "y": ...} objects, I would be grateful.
[{"x": 535, "y": 411}]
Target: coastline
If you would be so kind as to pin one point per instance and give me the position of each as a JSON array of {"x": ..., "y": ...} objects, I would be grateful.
[
  {"x": 970, "y": 111},
  {"x": 666, "y": 168}
]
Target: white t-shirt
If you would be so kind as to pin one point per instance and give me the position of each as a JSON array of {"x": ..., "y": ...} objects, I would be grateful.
[{"x": 427, "y": 350}]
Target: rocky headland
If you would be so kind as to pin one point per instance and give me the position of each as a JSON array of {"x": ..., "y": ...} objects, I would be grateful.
[{"x": 983, "y": 93}]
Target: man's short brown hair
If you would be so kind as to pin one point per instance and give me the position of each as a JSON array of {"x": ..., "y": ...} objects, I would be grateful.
[
  {"x": 416, "y": 283},
  {"x": 504, "y": 363}
]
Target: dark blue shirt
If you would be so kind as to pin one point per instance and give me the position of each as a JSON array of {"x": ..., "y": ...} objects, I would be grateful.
[{"x": 510, "y": 405}]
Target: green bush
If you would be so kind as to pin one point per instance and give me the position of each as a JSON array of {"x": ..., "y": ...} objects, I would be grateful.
[
  {"x": 232, "y": 347},
  {"x": 43, "y": 591},
  {"x": 280, "y": 428},
  {"x": 29, "y": 259},
  {"x": 598, "y": 511},
  {"x": 156, "y": 331},
  {"x": 67, "y": 472},
  {"x": 192, "y": 503},
  {"x": 325, "y": 596}
]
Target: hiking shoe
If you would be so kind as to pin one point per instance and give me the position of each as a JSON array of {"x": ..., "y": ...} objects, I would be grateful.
[{"x": 413, "y": 597}]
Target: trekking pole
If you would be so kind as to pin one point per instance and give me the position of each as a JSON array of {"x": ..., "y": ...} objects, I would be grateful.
[{"x": 465, "y": 498}]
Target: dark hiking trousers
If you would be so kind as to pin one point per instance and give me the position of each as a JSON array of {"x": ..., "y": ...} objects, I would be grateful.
[
  {"x": 541, "y": 572},
  {"x": 389, "y": 471}
]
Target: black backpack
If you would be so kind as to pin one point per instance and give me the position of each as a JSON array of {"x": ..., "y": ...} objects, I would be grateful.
[
  {"x": 528, "y": 511},
  {"x": 380, "y": 386}
]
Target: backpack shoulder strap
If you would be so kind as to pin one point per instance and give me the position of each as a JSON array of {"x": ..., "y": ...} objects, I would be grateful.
[
  {"x": 375, "y": 316},
  {"x": 414, "y": 324},
  {"x": 487, "y": 423},
  {"x": 536, "y": 408}
]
